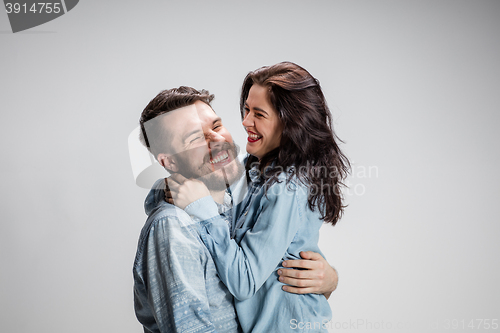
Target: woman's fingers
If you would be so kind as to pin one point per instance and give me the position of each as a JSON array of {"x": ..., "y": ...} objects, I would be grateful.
[
  {"x": 171, "y": 184},
  {"x": 168, "y": 195},
  {"x": 182, "y": 191},
  {"x": 180, "y": 179}
]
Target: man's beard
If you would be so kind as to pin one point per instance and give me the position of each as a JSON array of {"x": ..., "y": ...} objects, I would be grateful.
[{"x": 217, "y": 180}]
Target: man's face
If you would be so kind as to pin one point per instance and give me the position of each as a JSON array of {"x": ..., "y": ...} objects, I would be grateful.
[{"x": 202, "y": 147}]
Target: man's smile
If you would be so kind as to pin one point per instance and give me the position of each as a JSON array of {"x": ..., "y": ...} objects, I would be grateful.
[{"x": 221, "y": 158}]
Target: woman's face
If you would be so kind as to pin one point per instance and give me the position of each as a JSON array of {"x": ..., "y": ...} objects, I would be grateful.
[{"x": 261, "y": 122}]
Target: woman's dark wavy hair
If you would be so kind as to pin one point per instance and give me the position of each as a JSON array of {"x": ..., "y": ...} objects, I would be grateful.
[{"x": 308, "y": 141}]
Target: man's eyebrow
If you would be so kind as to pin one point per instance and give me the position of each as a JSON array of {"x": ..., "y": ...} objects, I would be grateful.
[{"x": 184, "y": 138}]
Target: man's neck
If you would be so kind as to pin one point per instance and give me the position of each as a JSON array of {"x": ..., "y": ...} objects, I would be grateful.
[{"x": 218, "y": 196}]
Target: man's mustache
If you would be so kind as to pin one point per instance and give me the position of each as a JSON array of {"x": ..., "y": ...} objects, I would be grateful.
[
  {"x": 217, "y": 148},
  {"x": 221, "y": 147}
]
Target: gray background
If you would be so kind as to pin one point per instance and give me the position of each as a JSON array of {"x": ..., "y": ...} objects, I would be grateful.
[{"x": 414, "y": 89}]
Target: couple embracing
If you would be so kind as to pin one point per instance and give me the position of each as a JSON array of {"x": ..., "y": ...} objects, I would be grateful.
[{"x": 231, "y": 242}]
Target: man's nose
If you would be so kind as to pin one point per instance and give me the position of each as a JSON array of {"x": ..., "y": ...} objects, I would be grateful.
[
  {"x": 215, "y": 137},
  {"x": 215, "y": 140}
]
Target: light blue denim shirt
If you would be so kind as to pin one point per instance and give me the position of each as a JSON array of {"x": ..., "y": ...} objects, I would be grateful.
[
  {"x": 176, "y": 287},
  {"x": 267, "y": 230}
]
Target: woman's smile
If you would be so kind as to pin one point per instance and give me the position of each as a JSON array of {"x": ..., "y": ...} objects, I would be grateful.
[{"x": 253, "y": 137}]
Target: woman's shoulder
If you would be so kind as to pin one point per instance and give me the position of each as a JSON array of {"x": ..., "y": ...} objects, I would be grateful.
[
  {"x": 288, "y": 182},
  {"x": 289, "y": 175}
]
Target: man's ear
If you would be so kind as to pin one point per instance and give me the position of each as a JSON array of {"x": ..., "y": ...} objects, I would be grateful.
[{"x": 168, "y": 162}]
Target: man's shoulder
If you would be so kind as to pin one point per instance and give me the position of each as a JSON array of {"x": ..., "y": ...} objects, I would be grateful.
[
  {"x": 168, "y": 213},
  {"x": 161, "y": 212},
  {"x": 167, "y": 226},
  {"x": 167, "y": 216}
]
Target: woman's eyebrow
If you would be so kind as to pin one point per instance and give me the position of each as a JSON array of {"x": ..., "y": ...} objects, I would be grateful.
[{"x": 257, "y": 108}]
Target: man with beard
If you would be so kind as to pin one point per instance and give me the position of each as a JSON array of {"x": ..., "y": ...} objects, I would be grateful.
[{"x": 176, "y": 287}]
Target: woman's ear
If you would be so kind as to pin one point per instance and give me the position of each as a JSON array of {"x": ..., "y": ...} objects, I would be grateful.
[{"x": 168, "y": 162}]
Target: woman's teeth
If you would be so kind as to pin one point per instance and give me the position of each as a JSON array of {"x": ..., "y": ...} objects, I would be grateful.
[
  {"x": 253, "y": 136},
  {"x": 219, "y": 158}
]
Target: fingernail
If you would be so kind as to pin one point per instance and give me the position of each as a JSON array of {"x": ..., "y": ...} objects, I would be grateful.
[
  {"x": 284, "y": 288},
  {"x": 282, "y": 278},
  {"x": 284, "y": 263},
  {"x": 279, "y": 272}
]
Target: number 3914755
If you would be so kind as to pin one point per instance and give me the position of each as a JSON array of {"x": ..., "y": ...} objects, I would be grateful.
[{"x": 36, "y": 8}]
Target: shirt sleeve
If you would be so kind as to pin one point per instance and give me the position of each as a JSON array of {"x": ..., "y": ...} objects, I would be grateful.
[
  {"x": 245, "y": 267},
  {"x": 176, "y": 279}
]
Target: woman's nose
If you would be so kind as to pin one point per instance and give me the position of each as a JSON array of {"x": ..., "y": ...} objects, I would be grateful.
[{"x": 248, "y": 120}]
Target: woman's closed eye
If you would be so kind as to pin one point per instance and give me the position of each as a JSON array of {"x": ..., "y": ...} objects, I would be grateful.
[{"x": 255, "y": 114}]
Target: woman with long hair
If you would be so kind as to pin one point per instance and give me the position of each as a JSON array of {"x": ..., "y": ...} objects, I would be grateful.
[{"x": 294, "y": 171}]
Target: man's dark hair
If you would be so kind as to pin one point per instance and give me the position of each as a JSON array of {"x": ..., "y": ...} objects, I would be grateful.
[{"x": 156, "y": 139}]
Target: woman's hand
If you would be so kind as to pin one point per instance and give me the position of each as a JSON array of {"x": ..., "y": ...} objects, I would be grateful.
[
  {"x": 316, "y": 276},
  {"x": 181, "y": 191}
]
